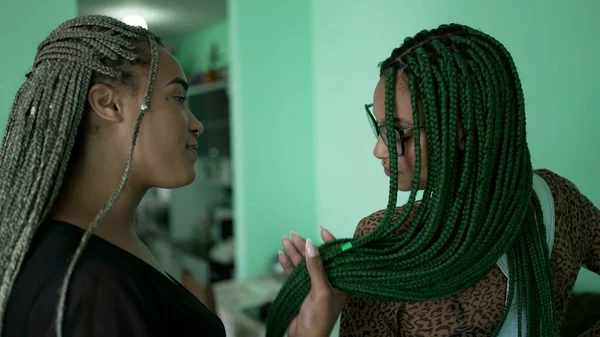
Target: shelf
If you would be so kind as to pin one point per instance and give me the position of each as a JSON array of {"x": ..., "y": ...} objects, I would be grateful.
[{"x": 199, "y": 89}]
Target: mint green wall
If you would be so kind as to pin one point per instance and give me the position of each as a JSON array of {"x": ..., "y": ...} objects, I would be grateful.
[
  {"x": 193, "y": 51},
  {"x": 273, "y": 142},
  {"x": 23, "y": 25},
  {"x": 554, "y": 44}
]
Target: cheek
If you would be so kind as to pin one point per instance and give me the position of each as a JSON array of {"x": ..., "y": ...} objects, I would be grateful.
[
  {"x": 160, "y": 137},
  {"x": 423, "y": 156},
  {"x": 423, "y": 150},
  {"x": 406, "y": 164}
]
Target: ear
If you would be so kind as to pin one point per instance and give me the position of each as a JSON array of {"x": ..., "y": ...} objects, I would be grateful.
[
  {"x": 104, "y": 101},
  {"x": 461, "y": 137}
]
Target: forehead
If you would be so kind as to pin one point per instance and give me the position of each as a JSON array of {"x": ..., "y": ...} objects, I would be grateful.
[
  {"x": 402, "y": 107},
  {"x": 168, "y": 66}
]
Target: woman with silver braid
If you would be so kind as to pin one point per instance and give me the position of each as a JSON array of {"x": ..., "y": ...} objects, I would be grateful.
[{"x": 101, "y": 118}]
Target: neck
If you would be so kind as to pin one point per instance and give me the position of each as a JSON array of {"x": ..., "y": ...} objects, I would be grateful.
[
  {"x": 89, "y": 183},
  {"x": 87, "y": 187}
]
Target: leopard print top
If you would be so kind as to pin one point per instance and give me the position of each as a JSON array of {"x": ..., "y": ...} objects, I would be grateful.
[{"x": 478, "y": 310}]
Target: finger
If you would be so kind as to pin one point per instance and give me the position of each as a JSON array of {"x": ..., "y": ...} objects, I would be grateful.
[
  {"x": 285, "y": 262},
  {"x": 326, "y": 235},
  {"x": 291, "y": 251},
  {"x": 291, "y": 332},
  {"x": 299, "y": 243},
  {"x": 316, "y": 271}
]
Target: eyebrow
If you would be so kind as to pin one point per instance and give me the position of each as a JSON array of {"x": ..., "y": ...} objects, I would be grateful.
[{"x": 180, "y": 81}]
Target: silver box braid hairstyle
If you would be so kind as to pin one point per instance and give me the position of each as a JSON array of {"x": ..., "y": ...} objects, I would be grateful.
[{"x": 43, "y": 127}]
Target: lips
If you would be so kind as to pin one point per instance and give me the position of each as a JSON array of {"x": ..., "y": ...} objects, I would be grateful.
[{"x": 193, "y": 148}]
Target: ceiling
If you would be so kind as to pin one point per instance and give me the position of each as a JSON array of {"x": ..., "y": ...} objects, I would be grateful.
[{"x": 171, "y": 18}]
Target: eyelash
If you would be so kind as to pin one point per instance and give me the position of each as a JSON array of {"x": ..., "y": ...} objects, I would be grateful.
[{"x": 180, "y": 99}]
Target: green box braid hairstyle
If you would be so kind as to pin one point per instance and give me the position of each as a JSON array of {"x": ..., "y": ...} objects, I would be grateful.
[
  {"x": 477, "y": 205},
  {"x": 45, "y": 124}
]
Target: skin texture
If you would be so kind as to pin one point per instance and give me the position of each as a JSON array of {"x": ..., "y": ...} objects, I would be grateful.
[
  {"x": 164, "y": 155},
  {"x": 404, "y": 114},
  {"x": 324, "y": 315}
]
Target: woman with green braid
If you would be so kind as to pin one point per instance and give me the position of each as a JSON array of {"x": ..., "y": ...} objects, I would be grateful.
[
  {"x": 493, "y": 247},
  {"x": 101, "y": 118}
]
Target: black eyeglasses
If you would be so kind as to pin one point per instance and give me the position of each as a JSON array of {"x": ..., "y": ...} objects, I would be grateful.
[{"x": 381, "y": 131}]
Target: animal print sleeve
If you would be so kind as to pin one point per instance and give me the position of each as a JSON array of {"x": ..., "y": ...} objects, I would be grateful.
[
  {"x": 579, "y": 217},
  {"x": 591, "y": 216},
  {"x": 592, "y": 258},
  {"x": 365, "y": 317},
  {"x": 592, "y": 332}
]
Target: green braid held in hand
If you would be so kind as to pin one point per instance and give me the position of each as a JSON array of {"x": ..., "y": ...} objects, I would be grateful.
[{"x": 478, "y": 203}]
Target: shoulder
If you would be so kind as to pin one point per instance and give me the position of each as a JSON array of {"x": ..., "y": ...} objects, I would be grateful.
[
  {"x": 562, "y": 188},
  {"x": 104, "y": 296},
  {"x": 367, "y": 224},
  {"x": 94, "y": 276},
  {"x": 572, "y": 208}
]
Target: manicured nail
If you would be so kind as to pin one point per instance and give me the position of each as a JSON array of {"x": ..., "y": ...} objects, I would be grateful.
[
  {"x": 292, "y": 233},
  {"x": 284, "y": 237},
  {"x": 311, "y": 250},
  {"x": 280, "y": 252}
]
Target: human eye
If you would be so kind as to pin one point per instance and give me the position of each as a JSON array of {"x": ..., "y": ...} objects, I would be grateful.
[{"x": 180, "y": 99}]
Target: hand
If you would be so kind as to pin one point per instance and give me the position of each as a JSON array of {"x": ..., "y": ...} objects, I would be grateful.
[
  {"x": 295, "y": 250},
  {"x": 322, "y": 306}
]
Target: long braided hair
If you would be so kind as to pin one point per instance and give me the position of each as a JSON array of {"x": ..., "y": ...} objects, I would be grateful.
[
  {"x": 44, "y": 125},
  {"x": 476, "y": 206}
]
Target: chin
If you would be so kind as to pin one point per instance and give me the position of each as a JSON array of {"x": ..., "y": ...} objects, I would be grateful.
[
  {"x": 187, "y": 178},
  {"x": 404, "y": 187},
  {"x": 181, "y": 179}
]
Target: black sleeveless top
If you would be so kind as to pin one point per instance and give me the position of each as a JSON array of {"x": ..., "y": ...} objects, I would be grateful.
[{"x": 111, "y": 293}]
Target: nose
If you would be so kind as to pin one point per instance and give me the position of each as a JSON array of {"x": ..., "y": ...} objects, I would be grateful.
[
  {"x": 196, "y": 126},
  {"x": 380, "y": 151}
]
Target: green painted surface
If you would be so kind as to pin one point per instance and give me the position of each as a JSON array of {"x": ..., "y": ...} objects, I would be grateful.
[
  {"x": 271, "y": 90},
  {"x": 23, "y": 25}
]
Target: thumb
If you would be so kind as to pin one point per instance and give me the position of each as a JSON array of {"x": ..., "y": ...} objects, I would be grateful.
[
  {"x": 293, "y": 327},
  {"x": 316, "y": 271}
]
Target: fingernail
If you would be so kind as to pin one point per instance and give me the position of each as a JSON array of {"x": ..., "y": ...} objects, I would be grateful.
[
  {"x": 283, "y": 236},
  {"x": 325, "y": 229},
  {"x": 280, "y": 252},
  {"x": 292, "y": 233},
  {"x": 311, "y": 250}
]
